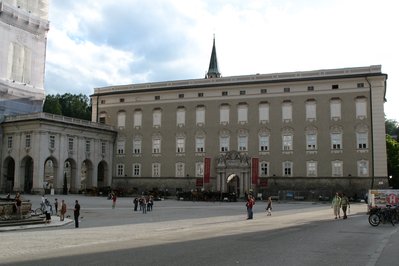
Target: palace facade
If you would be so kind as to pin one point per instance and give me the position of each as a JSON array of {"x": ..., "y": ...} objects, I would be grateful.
[{"x": 321, "y": 130}]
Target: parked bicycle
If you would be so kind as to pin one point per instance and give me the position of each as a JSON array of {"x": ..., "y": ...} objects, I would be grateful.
[
  {"x": 43, "y": 207},
  {"x": 388, "y": 214}
]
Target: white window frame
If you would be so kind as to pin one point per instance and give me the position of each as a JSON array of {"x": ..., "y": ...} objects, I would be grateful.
[
  {"x": 180, "y": 169},
  {"x": 336, "y": 141},
  {"x": 264, "y": 109},
  {"x": 363, "y": 168},
  {"x": 121, "y": 119},
  {"x": 311, "y": 141},
  {"x": 243, "y": 143},
  {"x": 120, "y": 169},
  {"x": 361, "y": 108},
  {"x": 224, "y": 114},
  {"x": 9, "y": 142},
  {"x": 311, "y": 168},
  {"x": 87, "y": 145},
  {"x": 137, "y": 142},
  {"x": 264, "y": 169},
  {"x": 288, "y": 168},
  {"x": 199, "y": 144},
  {"x": 335, "y": 109},
  {"x": 28, "y": 140},
  {"x": 52, "y": 141},
  {"x": 120, "y": 147},
  {"x": 200, "y": 115},
  {"x": 180, "y": 144},
  {"x": 71, "y": 143},
  {"x": 156, "y": 118},
  {"x": 136, "y": 170},
  {"x": 156, "y": 170},
  {"x": 264, "y": 143},
  {"x": 288, "y": 142},
  {"x": 224, "y": 143},
  {"x": 287, "y": 111},
  {"x": 242, "y": 113},
  {"x": 181, "y": 116},
  {"x": 362, "y": 140},
  {"x": 311, "y": 110},
  {"x": 156, "y": 145},
  {"x": 337, "y": 168},
  {"x": 137, "y": 118}
]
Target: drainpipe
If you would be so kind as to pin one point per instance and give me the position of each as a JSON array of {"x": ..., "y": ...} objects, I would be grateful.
[{"x": 372, "y": 133}]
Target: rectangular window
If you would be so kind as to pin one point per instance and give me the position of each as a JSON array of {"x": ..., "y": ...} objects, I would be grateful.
[
  {"x": 287, "y": 142},
  {"x": 363, "y": 168},
  {"x": 263, "y": 91},
  {"x": 27, "y": 141},
  {"x": 200, "y": 115},
  {"x": 335, "y": 87},
  {"x": 200, "y": 144},
  {"x": 311, "y": 141},
  {"x": 337, "y": 168},
  {"x": 156, "y": 170},
  {"x": 156, "y": 118},
  {"x": 361, "y": 108},
  {"x": 242, "y": 113},
  {"x": 335, "y": 109},
  {"x": 137, "y": 118},
  {"x": 157, "y": 97},
  {"x": 242, "y": 143},
  {"x": 136, "y": 170},
  {"x": 311, "y": 168},
  {"x": 102, "y": 120},
  {"x": 287, "y": 168},
  {"x": 362, "y": 140},
  {"x": 224, "y": 144},
  {"x": 9, "y": 142},
  {"x": 103, "y": 147},
  {"x": 311, "y": 110},
  {"x": 120, "y": 149},
  {"x": 121, "y": 100},
  {"x": 360, "y": 85},
  {"x": 200, "y": 94},
  {"x": 263, "y": 143},
  {"x": 242, "y": 92},
  {"x": 52, "y": 142},
  {"x": 336, "y": 141},
  {"x": 310, "y": 88},
  {"x": 264, "y": 169},
  {"x": 287, "y": 89},
  {"x": 179, "y": 169},
  {"x": 287, "y": 111},
  {"x": 102, "y": 101},
  {"x": 181, "y": 95},
  {"x": 136, "y": 146},
  {"x": 156, "y": 146},
  {"x": 263, "y": 112},
  {"x": 70, "y": 144},
  {"x": 180, "y": 144},
  {"x": 87, "y": 145},
  {"x": 224, "y": 93},
  {"x": 120, "y": 170},
  {"x": 224, "y": 114},
  {"x": 181, "y": 116}
]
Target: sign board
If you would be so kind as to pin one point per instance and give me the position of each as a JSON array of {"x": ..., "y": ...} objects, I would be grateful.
[{"x": 383, "y": 197}]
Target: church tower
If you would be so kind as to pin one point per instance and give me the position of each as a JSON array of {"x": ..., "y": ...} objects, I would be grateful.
[
  {"x": 213, "y": 71},
  {"x": 23, "y": 29}
]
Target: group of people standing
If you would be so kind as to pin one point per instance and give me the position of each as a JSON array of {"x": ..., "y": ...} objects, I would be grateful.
[
  {"x": 250, "y": 204},
  {"x": 340, "y": 201},
  {"x": 145, "y": 203},
  {"x": 62, "y": 207}
]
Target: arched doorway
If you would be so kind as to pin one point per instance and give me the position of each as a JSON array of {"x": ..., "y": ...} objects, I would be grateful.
[
  {"x": 86, "y": 175},
  {"x": 27, "y": 169},
  {"x": 50, "y": 174},
  {"x": 102, "y": 171},
  {"x": 9, "y": 174},
  {"x": 68, "y": 183},
  {"x": 233, "y": 184}
]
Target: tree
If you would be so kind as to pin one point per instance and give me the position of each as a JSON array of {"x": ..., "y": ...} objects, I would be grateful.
[
  {"x": 392, "y": 127},
  {"x": 76, "y": 106},
  {"x": 393, "y": 161}
]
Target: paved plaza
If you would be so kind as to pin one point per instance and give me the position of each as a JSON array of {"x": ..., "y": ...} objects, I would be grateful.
[{"x": 103, "y": 228}]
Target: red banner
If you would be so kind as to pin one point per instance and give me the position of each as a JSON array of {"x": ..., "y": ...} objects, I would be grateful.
[
  {"x": 255, "y": 170},
  {"x": 207, "y": 170},
  {"x": 199, "y": 182}
]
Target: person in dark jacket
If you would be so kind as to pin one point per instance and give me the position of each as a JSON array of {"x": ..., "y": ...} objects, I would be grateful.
[{"x": 76, "y": 213}]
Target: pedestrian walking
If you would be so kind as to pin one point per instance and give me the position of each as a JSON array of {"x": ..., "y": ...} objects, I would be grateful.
[
  {"x": 113, "y": 196},
  {"x": 269, "y": 206},
  {"x": 48, "y": 214},
  {"x": 63, "y": 210},
  {"x": 345, "y": 205},
  {"x": 76, "y": 213},
  {"x": 143, "y": 204},
  {"x": 250, "y": 204},
  {"x": 135, "y": 203},
  {"x": 18, "y": 205},
  {"x": 336, "y": 205},
  {"x": 56, "y": 206}
]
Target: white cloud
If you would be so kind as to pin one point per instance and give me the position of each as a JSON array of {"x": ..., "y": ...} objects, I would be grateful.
[{"x": 99, "y": 43}]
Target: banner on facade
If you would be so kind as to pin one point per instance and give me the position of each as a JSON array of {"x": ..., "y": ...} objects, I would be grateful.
[
  {"x": 207, "y": 170},
  {"x": 199, "y": 182},
  {"x": 263, "y": 182},
  {"x": 255, "y": 170}
]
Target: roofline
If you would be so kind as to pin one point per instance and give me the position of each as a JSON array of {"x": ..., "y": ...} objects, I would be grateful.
[{"x": 235, "y": 80}]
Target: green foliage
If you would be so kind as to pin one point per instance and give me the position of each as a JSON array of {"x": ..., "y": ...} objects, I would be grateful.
[
  {"x": 76, "y": 106},
  {"x": 391, "y": 127},
  {"x": 393, "y": 160}
]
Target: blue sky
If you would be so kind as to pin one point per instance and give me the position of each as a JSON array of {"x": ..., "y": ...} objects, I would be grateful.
[{"x": 95, "y": 43}]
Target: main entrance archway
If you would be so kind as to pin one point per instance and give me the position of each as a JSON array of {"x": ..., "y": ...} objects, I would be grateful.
[{"x": 9, "y": 174}]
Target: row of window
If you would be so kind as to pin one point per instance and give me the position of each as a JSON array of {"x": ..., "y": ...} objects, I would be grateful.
[
  {"x": 242, "y": 113},
  {"x": 287, "y": 137},
  {"x": 241, "y": 92},
  {"x": 264, "y": 169},
  {"x": 51, "y": 143}
]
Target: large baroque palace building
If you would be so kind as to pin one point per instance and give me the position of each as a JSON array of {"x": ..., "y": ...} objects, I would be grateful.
[{"x": 319, "y": 130}]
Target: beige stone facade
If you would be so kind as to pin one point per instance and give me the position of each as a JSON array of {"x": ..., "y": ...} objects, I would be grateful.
[
  {"x": 47, "y": 153},
  {"x": 307, "y": 131}
]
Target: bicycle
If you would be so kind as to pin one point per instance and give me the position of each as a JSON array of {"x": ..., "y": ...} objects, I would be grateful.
[
  {"x": 383, "y": 215},
  {"x": 42, "y": 209}
]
